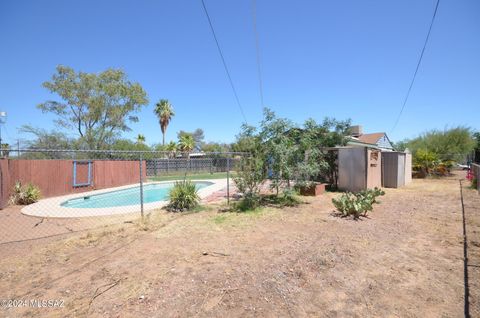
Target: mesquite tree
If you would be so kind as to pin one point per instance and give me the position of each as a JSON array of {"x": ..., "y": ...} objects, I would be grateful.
[{"x": 98, "y": 107}]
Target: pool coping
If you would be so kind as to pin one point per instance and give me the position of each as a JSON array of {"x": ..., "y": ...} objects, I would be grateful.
[{"x": 52, "y": 208}]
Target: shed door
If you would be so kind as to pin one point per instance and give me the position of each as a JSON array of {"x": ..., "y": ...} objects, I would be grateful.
[{"x": 352, "y": 169}]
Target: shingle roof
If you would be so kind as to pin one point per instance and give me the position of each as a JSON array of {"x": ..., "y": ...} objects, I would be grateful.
[{"x": 371, "y": 138}]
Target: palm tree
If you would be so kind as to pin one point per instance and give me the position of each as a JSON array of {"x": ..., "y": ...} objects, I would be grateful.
[
  {"x": 172, "y": 148},
  {"x": 140, "y": 139},
  {"x": 186, "y": 143},
  {"x": 164, "y": 112}
]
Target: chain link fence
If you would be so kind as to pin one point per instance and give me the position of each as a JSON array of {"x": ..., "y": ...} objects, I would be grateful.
[{"x": 78, "y": 190}]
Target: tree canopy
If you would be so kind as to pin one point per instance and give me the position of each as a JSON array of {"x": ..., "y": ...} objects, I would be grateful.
[
  {"x": 97, "y": 106},
  {"x": 164, "y": 112},
  {"x": 198, "y": 137},
  {"x": 449, "y": 144},
  {"x": 186, "y": 143},
  {"x": 291, "y": 152}
]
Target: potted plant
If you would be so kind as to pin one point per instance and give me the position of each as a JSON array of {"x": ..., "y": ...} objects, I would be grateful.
[
  {"x": 311, "y": 188},
  {"x": 308, "y": 171}
]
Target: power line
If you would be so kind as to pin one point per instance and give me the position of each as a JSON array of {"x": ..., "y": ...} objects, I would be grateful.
[
  {"x": 257, "y": 47},
  {"x": 223, "y": 61},
  {"x": 418, "y": 66}
]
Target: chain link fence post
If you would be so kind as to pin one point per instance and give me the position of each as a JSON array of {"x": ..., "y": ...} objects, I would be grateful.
[
  {"x": 228, "y": 179},
  {"x": 141, "y": 185}
]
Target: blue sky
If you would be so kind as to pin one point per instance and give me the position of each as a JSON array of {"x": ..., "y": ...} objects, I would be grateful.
[{"x": 343, "y": 59}]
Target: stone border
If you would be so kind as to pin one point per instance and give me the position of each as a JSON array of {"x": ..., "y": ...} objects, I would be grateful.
[{"x": 52, "y": 208}]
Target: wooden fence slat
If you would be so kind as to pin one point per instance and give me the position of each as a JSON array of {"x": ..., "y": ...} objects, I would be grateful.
[{"x": 55, "y": 177}]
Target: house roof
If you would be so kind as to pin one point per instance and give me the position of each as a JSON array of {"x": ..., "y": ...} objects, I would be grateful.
[{"x": 371, "y": 138}]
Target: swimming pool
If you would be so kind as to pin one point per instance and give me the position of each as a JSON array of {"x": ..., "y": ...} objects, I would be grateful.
[{"x": 127, "y": 197}]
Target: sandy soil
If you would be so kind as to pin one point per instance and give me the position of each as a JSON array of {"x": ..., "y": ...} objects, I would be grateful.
[{"x": 405, "y": 260}]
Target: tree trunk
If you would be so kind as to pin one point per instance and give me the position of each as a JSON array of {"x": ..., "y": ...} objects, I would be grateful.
[{"x": 163, "y": 137}]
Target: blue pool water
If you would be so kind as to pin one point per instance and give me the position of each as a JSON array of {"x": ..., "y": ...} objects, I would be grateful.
[{"x": 126, "y": 197}]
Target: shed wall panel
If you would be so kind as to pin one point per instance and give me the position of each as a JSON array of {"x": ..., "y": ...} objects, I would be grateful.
[
  {"x": 408, "y": 168},
  {"x": 401, "y": 170},
  {"x": 352, "y": 169},
  {"x": 393, "y": 169}
]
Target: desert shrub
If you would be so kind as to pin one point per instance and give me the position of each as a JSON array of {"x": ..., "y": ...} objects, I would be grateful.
[
  {"x": 289, "y": 198},
  {"x": 249, "y": 202},
  {"x": 357, "y": 204},
  {"x": 183, "y": 196},
  {"x": 25, "y": 194}
]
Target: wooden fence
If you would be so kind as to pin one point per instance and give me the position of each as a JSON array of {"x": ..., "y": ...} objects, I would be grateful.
[
  {"x": 56, "y": 177},
  {"x": 4, "y": 183}
]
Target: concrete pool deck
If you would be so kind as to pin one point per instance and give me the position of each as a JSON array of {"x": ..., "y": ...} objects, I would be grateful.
[{"x": 52, "y": 208}]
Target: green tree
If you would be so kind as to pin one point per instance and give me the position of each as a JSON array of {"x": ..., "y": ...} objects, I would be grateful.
[
  {"x": 97, "y": 106},
  {"x": 252, "y": 170},
  {"x": 44, "y": 139},
  {"x": 172, "y": 148},
  {"x": 284, "y": 152},
  {"x": 449, "y": 144},
  {"x": 279, "y": 143},
  {"x": 476, "y": 137},
  {"x": 215, "y": 147},
  {"x": 127, "y": 145},
  {"x": 140, "y": 139},
  {"x": 198, "y": 137},
  {"x": 5, "y": 152},
  {"x": 164, "y": 112}
]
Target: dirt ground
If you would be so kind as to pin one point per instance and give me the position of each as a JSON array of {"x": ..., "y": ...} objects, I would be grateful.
[
  {"x": 16, "y": 227},
  {"x": 405, "y": 260}
]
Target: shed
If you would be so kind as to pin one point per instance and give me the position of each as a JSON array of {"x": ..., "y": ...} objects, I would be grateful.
[
  {"x": 359, "y": 168},
  {"x": 396, "y": 169}
]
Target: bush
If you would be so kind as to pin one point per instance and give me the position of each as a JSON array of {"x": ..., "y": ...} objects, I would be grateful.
[
  {"x": 357, "y": 204},
  {"x": 289, "y": 198},
  {"x": 249, "y": 202},
  {"x": 183, "y": 196},
  {"x": 25, "y": 195}
]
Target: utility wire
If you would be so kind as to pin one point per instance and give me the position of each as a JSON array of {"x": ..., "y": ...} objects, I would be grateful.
[
  {"x": 257, "y": 46},
  {"x": 223, "y": 61},
  {"x": 418, "y": 66}
]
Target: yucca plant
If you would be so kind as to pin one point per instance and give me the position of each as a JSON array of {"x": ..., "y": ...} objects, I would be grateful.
[
  {"x": 31, "y": 194},
  {"x": 183, "y": 196}
]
